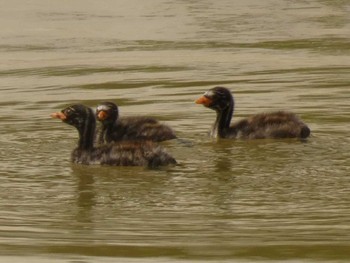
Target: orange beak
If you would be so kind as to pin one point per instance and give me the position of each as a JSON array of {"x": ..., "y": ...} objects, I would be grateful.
[
  {"x": 204, "y": 100},
  {"x": 102, "y": 115},
  {"x": 58, "y": 115}
]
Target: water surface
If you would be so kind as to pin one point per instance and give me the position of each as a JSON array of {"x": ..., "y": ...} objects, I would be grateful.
[{"x": 226, "y": 201}]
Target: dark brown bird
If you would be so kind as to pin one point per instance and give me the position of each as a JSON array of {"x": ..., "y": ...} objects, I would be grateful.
[
  {"x": 143, "y": 153},
  {"x": 278, "y": 124},
  {"x": 129, "y": 128}
]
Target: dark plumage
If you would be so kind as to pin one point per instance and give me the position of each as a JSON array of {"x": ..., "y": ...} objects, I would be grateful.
[
  {"x": 279, "y": 124},
  {"x": 144, "y": 153},
  {"x": 129, "y": 128}
]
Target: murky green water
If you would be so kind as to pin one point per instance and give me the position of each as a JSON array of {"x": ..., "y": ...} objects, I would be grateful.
[{"x": 229, "y": 201}]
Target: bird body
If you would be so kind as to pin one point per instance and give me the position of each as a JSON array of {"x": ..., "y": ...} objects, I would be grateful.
[
  {"x": 124, "y": 154},
  {"x": 280, "y": 124}
]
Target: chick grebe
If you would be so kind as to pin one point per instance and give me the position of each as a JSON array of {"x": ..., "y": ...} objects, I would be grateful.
[
  {"x": 278, "y": 124},
  {"x": 143, "y": 153},
  {"x": 129, "y": 128}
]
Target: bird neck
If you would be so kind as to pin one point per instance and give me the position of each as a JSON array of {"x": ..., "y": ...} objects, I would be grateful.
[
  {"x": 87, "y": 132},
  {"x": 222, "y": 122},
  {"x": 106, "y": 129}
]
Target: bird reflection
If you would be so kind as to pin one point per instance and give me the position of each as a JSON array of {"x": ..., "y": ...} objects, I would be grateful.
[{"x": 86, "y": 195}]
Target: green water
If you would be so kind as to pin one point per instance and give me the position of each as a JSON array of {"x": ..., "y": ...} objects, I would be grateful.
[{"x": 226, "y": 201}]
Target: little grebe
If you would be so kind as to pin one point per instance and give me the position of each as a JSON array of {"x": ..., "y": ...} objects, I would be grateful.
[
  {"x": 129, "y": 128},
  {"x": 278, "y": 124},
  {"x": 142, "y": 153}
]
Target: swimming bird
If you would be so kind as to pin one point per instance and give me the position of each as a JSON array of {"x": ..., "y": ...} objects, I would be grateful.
[
  {"x": 116, "y": 129},
  {"x": 131, "y": 153},
  {"x": 280, "y": 124}
]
